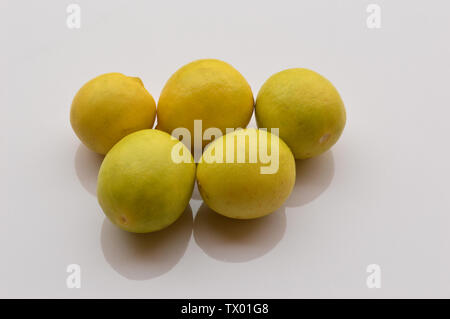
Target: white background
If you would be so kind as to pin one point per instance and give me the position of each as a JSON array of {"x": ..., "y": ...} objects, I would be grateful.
[{"x": 379, "y": 197}]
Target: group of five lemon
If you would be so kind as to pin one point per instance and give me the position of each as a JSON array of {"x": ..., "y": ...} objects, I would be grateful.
[{"x": 142, "y": 189}]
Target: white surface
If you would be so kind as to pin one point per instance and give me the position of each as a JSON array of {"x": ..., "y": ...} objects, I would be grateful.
[{"x": 380, "y": 196}]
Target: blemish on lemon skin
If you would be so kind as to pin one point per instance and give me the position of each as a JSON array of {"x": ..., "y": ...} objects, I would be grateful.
[
  {"x": 324, "y": 138},
  {"x": 123, "y": 219}
]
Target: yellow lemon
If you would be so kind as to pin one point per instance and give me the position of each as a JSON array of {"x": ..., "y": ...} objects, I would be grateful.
[
  {"x": 246, "y": 174},
  {"x": 141, "y": 188},
  {"x": 208, "y": 90},
  {"x": 109, "y": 107},
  {"x": 305, "y": 107}
]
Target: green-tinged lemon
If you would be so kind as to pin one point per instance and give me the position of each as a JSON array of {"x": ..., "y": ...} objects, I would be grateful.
[
  {"x": 305, "y": 107},
  {"x": 141, "y": 186},
  {"x": 246, "y": 174}
]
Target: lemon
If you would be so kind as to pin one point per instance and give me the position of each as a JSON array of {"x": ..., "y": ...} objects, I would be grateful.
[
  {"x": 250, "y": 186},
  {"x": 306, "y": 108},
  {"x": 109, "y": 107},
  {"x": 209, "y": 90},
  {"x": 140, "y": 187}
]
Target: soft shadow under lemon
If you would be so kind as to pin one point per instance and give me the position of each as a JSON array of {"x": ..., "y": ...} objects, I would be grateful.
[
  {"x": 313, "y": 176},
  {"x": 87, "y": 165},
  {"x": 234, "y": 240},
  {"x": 145, "y": 256}
]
